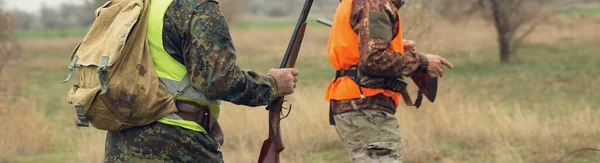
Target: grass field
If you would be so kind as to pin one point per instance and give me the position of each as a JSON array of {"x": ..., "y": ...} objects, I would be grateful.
[
  {"x": 50, "y": 33},
  {"x": 588, "y": 11},
  {"x": 536, "y": 109}
]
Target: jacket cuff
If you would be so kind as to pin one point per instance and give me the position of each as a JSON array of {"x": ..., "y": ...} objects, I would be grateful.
[
  {"x": 273, "y": 91},
  {"x": 423, "y": 62}
]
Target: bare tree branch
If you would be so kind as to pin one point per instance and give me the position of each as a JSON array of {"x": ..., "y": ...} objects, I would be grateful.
[
  {"x": 519, "y": 40},
  {"x": 510, "y": 17}
]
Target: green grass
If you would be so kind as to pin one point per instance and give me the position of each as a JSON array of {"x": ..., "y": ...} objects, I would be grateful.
[
  {"x": 42, "y": 83},
  {"x": 580, "y": 12},
  {"x": 539, "y": 76},
  {"x": 50, "y": 33}
]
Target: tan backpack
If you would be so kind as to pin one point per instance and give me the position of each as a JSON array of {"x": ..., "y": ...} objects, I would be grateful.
[{"x": 118, "y": 87}]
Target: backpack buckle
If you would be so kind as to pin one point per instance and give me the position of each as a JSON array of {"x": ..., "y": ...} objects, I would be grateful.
[
  {"x": 83, "y": 122},
  {"x": 71, "y": 67},
  {"x": 103, "y": 74}
]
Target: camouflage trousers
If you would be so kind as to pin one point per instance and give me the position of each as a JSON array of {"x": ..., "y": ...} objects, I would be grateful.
[
  {"x": 158, "y": 142},
  {"x": 370, "y": 135}
]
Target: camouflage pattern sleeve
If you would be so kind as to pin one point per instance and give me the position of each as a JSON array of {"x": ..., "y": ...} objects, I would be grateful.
[
  {"x": 376, "y": 24},
  {"x": 210, "y": 57}
]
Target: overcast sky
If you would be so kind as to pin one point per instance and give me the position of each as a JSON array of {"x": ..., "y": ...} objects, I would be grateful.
[{"x": 34, "y": 5}]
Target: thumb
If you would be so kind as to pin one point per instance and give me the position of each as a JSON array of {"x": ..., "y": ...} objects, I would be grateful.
[
  {"x": 408, "y": 44},
  {"x": 294, "y": 71}
]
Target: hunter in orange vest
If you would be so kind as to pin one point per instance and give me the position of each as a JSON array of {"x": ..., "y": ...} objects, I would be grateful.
[{"x": 368, "y": 53}]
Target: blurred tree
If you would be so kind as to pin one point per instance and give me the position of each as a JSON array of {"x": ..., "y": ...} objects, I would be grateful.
[
  {"x": 85, "y": 14},
  {"x": 22, "y": 20},
  {"x": 514, "y": 20},
  {"x": 49, "y": 17},
  {"x": 8, "y": 47},
  {"x": 94, "y": 4},
  {"x": 68, "y": 15}
]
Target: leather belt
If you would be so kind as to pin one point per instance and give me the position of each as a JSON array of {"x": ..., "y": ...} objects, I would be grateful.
[
  {"x": 390, "y": 83},
  {"x": 200, "y": 114}
]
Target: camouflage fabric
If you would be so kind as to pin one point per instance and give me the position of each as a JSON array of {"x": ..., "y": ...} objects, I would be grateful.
[
  {"x": 372, "y": 20},
  {"x": 375, "y": 57},
  {"x": 196, "y": 34},
  {"x": 370, "y": 136},
  {"x": 159, "y": 142},
  {"x": 377, "y": 102}
]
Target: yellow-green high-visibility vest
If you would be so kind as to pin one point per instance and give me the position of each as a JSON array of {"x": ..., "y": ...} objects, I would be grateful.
[{"x": 172, "y": 73}]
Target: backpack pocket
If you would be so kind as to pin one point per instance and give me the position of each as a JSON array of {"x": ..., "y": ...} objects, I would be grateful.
[{"x": 93, "y": 107}]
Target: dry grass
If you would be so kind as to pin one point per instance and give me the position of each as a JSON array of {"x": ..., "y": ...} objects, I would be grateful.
[
  {"x": 458, "y": 128},
  {"x": 24, "y": 128},
  {"x": 305, "y": 130},
  {"x": 453, "y": 129},
  {"x": 49, "y": 45}
]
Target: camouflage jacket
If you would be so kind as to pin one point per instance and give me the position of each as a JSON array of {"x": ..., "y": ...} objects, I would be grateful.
[
  {"x": 376, "y": 23},
  {"x": 196, "y": 34}
]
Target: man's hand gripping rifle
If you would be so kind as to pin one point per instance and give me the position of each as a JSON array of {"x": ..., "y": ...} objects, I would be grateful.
[{"x": 274, "y": 144}]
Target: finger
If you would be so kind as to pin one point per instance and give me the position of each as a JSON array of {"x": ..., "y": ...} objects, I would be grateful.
[
  {"x": 446, "y": 63},
  {"x": 441, "y": 71},
  {"x": 435, "y": 72},
  {"x": 409, "y": 44},
  {"x": 295, "y": 80},
  {"x": 294, "y": 85},
  {"x": 294, "y": 71}
]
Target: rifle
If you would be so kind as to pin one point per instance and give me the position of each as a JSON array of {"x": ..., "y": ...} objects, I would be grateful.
[
  {"x": 324, "y": 22},
  {"x": 426, "y": 82},
  {"x": 273, "y": 145}
]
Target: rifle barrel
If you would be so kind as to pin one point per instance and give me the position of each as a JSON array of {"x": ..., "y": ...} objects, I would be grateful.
[
  {"x": 301, "y": 19},
  {"x": 325, "y": 22}
]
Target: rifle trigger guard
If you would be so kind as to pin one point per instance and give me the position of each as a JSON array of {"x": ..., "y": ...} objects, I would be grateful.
[{"x": 286, "y": 108}]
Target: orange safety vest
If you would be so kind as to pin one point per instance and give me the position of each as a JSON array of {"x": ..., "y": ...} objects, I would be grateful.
[{"x": 343, "y": 53}]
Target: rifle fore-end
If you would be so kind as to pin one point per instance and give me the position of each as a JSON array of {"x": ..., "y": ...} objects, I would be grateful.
[
  {"x": 291, "y": 62},
  {"x": 275, "y": 109}
]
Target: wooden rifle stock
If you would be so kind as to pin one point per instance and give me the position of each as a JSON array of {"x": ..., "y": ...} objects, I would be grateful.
[{"x": 273, "y": 145}]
